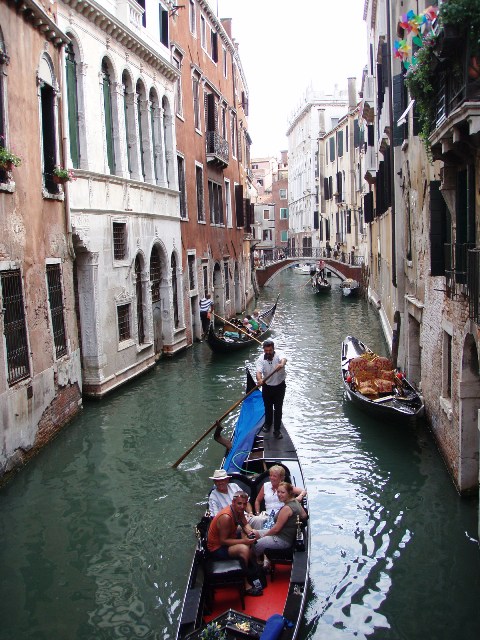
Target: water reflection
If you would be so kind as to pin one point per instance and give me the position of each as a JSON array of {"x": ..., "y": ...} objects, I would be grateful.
[{"x": 97, "y": 531}]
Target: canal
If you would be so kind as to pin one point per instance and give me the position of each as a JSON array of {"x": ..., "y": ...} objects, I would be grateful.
[{"x": 97, "y": 531}]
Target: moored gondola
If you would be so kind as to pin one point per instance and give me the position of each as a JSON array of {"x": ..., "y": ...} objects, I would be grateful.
[
  {"x": 371, "y": 383},
  {"x": 232, "y": 337},
  {"x": 214, "y": 593},
  {"x": 350, "y": 288}
]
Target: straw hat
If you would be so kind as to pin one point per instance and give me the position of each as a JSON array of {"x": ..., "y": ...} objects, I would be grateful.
[{"x": 220, "y": 474}]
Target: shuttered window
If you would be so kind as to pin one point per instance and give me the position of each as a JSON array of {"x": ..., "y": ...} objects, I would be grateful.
[
  {"x": 332, "y": 149},
  {"x": 108, "y": 115},
  {"x": 239, "y": 212},
  {"x": 14, "y": 326},
  {"x": 439, "y": 229},
  {"x": 368, "y": 206},
  {"x": 55, "y": 299},
  {"x": 72, "y": 101}
]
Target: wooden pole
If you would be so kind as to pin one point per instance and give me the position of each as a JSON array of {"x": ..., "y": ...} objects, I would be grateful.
[{"x": 217, "y": 422}]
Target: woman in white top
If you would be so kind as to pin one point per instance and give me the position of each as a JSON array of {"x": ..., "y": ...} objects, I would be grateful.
[{"x": 268, "y": 492}]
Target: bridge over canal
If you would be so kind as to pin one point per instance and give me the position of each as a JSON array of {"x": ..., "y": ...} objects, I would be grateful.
[{"x": 278, "y": 259}]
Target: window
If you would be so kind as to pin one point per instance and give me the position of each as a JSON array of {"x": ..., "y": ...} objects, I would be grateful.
[
  {"x": 108, "y": 116},
  {"x": 200, "y": 199},
  {"x": 181, "y": 186},
  {"x": 55, "y": 299},
  {"x": 260, "y": 181},
  {"x": 47, "y": 121},
  {"x": 196, "y": 102},
  {"x": 119, "y": 240},
  {"x": 233, "y": 126},
  {"x": 332, "y": 149},
  {"x": 214, "y": 45},
  {"x": 140, "y": 103},
  {"x": 155, "y": 274},
  {"x": 283, "y": 214},
  {"x": 177, "y": 61},
  {"x": 72, "y": 103},
  {"x": 228, "y": 203},
  {"x": 4, "y": 176},
  {"x": 163, "y": 25},
  {"x": 282, "y": 194},
  {"x": 144, "y": 13},
  {"x": 14, "y": 326},
  {"x": 267, "y": 234},
  {"x": 203, "y": 33},
  {"x": 129, "y": 117},
  {"x": 266, "y": 214},
  {"x": 340, "y": 143},
  {"x": 225, "y": 64},
  {"x": 139, "y": 294},
  {"x": 154, "y": 110},
  {"x": 123, "y": 322},
  {"x": 215, "y": 198},
  {"x": 176, "y": 318},
  {"x": 447, "y": 366},
  {"x": 227, "y": 280},
  {"x": 192, "y": 16},
  {"x": 192, "y": 281},
  {"x": 284, "y": 236}
]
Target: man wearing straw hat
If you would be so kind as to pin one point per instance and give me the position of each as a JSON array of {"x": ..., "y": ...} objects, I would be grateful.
[{"x": 221, "y": 496}]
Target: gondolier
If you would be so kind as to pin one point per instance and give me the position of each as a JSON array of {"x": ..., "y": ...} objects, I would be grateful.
[
  {"x": 273, "y": 392},
  {"x": 206, "y": 308}
]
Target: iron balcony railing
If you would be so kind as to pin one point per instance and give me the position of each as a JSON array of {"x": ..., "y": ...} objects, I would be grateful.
[
  {"x": 217, "y": 148},
  {"x": 473, "y": 284},
  {"x": 456, "y": 266}
]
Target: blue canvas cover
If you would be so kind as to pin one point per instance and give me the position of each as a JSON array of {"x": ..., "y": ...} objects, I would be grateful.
[{"x": 249, "y": 422}]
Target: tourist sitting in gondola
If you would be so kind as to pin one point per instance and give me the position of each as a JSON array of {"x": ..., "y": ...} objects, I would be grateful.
[
  {"x": 268, "y": 494},
  {"x": 283, "y": 533}
]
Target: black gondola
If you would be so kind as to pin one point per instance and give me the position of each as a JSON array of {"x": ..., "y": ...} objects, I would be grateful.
[
  {"x": 372, "y": 384},
  {"x": 225, "y": 341},
  {"x": 209, "y": 600},
  {"x": 321, "y": 285}
]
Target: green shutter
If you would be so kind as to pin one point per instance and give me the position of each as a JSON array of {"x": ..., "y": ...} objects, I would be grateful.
[
  {"x": 107, "y": 102},
  {"x": 438, "y": 229},
  {"x": 72, "y": 101}
]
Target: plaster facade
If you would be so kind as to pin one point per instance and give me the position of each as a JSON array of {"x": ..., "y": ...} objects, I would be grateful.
[{"x": 40, "y": 374}]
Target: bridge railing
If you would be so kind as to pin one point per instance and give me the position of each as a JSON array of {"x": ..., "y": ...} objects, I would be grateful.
[{"x": 277, "y": 254}]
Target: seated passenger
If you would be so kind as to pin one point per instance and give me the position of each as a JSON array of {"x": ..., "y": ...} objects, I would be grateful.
[
  {"x": 282, "y": 534},
  {"x": 223, "y": 542},
  {"x": 268, "y": 493},
  {"x": 221, "y": 496}
]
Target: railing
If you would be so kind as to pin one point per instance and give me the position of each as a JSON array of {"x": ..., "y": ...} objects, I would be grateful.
[
  {"x": 473, "y": 284},
  {"x": 249, "y": 173},
  {"x": 456, "y": 264},
  {"x": 217, "y": 147},
  {"x": 276, "y": 254}
]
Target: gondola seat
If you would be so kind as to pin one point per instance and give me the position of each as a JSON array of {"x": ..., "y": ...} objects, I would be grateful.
[{"x": 279, "y": 556}]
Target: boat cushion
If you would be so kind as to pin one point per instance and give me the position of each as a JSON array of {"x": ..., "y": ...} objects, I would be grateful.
[
  {"x": 384, "y": 386},
  {"x": 220, "y": 567},
  {"x": 381, "y": 363},
  {"x": 367, "y": 389},
  {"x": 387, "y": 375}
]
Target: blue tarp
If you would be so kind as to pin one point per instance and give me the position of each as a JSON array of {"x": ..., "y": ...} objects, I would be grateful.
[{"x": 249, "y": 422}]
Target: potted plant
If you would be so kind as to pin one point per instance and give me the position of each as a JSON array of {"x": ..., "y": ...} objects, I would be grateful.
[
  {"x": 61, "y": 175},
  {"x": 8, "y": 160},
  {"x": 212, "y": 631}
]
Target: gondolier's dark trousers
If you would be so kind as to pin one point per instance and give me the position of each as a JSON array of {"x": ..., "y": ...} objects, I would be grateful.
[{"x": 273, "y": 396}]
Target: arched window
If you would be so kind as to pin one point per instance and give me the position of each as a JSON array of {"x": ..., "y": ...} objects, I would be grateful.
[
  {"x": 4, "y": 177},
  {"x": 129, "y": 118},
  {"x": 155, "y": 274},
  {"x": 108, "y": 116},
  {"x": 142, "y": 125},
  {"x": 48, "y": 122},
  {"x": 72, "y": 102},
  {"x": 139, "y": 292},
  {"x": 167, "y": 137},
  {"x": 154, "y": 107},
  {"x": 175, "y": 291}
]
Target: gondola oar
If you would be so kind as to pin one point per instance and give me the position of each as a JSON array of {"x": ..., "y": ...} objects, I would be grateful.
[
  {"x": 237, "y": 328},
  {"x": 217, "y": 422}
]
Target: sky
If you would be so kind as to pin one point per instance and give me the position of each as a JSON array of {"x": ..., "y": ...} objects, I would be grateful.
[{"x": 286, "y": 46}]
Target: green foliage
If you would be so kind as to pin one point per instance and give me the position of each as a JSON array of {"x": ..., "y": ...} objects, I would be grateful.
[
  {"x": 7, "y": 156},
  {"x": 465, "y": 15},
  {"x": 213, "y": 631}
]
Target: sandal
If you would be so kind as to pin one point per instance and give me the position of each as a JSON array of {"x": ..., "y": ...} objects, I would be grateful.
[{"x": 254, "y": 592}]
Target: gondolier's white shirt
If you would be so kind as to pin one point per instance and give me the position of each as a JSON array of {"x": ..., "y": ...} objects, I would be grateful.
[{"x": 265, "y": 367}]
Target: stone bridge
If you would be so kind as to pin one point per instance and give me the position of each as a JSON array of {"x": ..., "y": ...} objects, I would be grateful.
[{"x": 341, "y": 269}]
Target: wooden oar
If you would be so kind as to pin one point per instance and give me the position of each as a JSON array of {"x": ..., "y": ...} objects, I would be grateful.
[
  {"x": 237, "y": 328},
  {"x": 217, "y": 422},
  {"x": 310, "y": 279}
]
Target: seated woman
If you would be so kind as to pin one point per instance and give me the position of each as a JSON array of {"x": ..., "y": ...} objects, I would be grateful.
[
  {"x": 268, "y": 492},
  {"x": 282, "y": 534}
]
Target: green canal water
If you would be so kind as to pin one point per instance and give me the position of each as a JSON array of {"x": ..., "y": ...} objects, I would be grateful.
[{"x": 96, "y": 533}]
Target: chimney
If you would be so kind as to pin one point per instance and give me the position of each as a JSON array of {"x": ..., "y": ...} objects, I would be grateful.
[
  {"x": 227, "y": 25},
  {"x": 321, "y": 122},
  {"x": 352, "y": 93}
]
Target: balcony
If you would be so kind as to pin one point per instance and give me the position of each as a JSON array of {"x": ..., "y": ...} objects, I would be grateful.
[
  {"x": 457, "y": 269},
  {"x": 457, "y": 99},
  {"x": 217, "y": 149},
  {"x": 249, "y": 173}
]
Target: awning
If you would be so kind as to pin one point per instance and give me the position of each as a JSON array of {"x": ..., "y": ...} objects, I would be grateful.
[{"x": 403, "y": 117}]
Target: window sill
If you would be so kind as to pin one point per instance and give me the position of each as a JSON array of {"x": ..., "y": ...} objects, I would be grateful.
[
  {"x": 7, "y": 187},
  {"x": 202, "y": 221},
  {"x": 145, "y": 345},
  {"x": 46, "y": 195},
  {"x": 121, "y": 263},
  {"x": 180, "y": 116},
  {"x": 125, "y": 344}
]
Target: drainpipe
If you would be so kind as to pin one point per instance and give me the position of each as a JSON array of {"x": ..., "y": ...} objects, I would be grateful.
[
  {"x": 64, "y": 128},
  {"x": 392, "y": 164}
]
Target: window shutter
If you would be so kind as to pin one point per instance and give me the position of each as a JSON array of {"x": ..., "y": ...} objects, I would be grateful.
[
  {"x": 438, "y": 230},
  {"x": 368, "y": 206},
  {"x": 330, "y": 187},
  {"x": 349, "y": 221},
  {"x": 370, "y": 135},
  {"x": 398, "y": 109},
  {"x": 315, "y": 219},
  {"x": 356, "y": 134},
  {"x": 326, "y": 193},
  {"x": 163, "y": 26},
  {"x": 71, "y": 73},
  {"x": 340, "y": 144},
  {"x": 332, "y": 149},
  {"x": 239, "y": 205}
]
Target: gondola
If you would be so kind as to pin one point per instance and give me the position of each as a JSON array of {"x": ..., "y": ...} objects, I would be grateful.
[
  {"x": 350, "y": 287},
  {"x": 230, "y": 338},
  {"x": 371, "y": 383},
  {"x": 251, "y": 454},
  {"x": 321, "y": 285},
  {"x": 304, "y": 269}
]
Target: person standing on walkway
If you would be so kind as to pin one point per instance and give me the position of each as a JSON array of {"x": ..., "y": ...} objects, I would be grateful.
[
  {"x": 206, "y": 308},
  {"x": 273, "y": 391}
]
